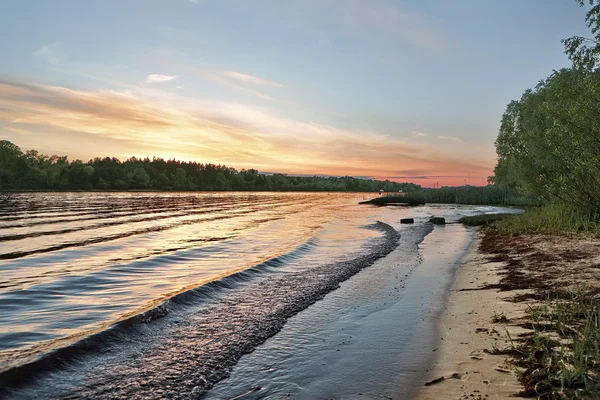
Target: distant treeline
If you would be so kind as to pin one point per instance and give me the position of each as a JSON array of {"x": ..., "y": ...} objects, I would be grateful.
[{"x": 34, "y": 171}]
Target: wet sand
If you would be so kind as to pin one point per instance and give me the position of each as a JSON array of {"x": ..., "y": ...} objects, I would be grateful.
[
  {"x": 502, "y": 276},
  {"x": 370, "y": 339},
  {"x": 466, "y": 330}
]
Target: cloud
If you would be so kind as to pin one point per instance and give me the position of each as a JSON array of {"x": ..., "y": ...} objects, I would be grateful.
[
  {"x": 52, "y": 53},
  {"x": 416, "y": 135},
  {"x": 148, "y": 122},
  {"x": 251, "y": 79},
  {"x": 224, "y": 82},
  {"x": 452, "y": 138},
  {"x": 158, "y": 78},
  {"x": 194, "y": 1}
]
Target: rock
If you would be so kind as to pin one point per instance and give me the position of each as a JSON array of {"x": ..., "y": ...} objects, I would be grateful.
[
  {"x": 407, "y": 221},
  {"x": 434, "y": 381},
  {"x": 197, "y": 393},
  {"x": 438, "y": 220}
]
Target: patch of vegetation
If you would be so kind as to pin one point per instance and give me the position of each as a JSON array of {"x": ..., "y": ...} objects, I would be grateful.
[
  {"x": 472, "y": 195},
  {"x": 552, "y": 219},
  {"x": 500, "y": 318},
  {"x": 408, "y": 200},
  {"x": 561, "y": 359},
  {"x": 548, "y": 141},
  {"x": 485, "y": 219}
]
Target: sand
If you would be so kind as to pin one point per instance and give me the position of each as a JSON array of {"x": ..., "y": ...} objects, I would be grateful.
[{"x": 467, "y": 331}]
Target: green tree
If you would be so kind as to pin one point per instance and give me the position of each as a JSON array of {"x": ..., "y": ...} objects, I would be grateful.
[
  {"x": 10, "y": 156},
  {"x": 585, "y": 52},
  {"x": 140, "y": 178}
]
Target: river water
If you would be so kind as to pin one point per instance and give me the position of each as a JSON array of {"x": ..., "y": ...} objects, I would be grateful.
[{"x": 265, "y": 295}]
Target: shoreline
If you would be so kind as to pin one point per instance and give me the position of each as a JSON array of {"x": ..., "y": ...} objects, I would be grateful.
[
  {"x": 515, "y": 300},
  {"x": 465, "y": 331}
]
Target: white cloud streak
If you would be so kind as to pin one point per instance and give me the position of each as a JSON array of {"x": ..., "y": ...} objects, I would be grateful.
[
  {"x": 452, "y": 139},
  {"x": 251, "y": 79},
  {"x": 158, "y": 78}
]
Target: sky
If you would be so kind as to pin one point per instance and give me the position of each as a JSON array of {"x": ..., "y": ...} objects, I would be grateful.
[{"x": 411, "y": 91}]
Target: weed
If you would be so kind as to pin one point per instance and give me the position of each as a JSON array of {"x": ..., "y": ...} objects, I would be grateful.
[{"x": 500, "y": 318}]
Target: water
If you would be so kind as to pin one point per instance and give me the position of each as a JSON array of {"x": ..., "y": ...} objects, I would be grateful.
[{"x": 147, "y": 295}]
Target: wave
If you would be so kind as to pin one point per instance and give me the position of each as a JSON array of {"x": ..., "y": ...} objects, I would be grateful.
[
  {"x": 222, "y": 324},
  {"x": 118, "y": 332}
]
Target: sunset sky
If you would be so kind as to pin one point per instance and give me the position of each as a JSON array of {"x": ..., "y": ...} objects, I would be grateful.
[{"x": 406, "y": 90}]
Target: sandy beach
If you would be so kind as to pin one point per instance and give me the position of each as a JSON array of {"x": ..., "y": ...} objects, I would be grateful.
[{"x": 496, "y": 283}]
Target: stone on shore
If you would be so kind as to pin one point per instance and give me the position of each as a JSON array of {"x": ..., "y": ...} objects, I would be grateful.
[{"x": 438, "y": 220}]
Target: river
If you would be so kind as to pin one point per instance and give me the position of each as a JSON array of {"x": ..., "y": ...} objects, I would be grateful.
[{"x": 217, "y": 295}]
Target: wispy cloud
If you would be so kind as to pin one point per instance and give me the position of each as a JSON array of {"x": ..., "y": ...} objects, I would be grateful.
[
  {"x": 416, "y": 135},
  {"x": 194, "y": 1},
  {"x": 158, "y": 78},
  {"x": 52, "y": 53},
  {"x": 452, "y": 138},
  {"x": 225, "y": 82},
  {"x": 251, "y": 79},
  {"x": 230, "y": 133}
]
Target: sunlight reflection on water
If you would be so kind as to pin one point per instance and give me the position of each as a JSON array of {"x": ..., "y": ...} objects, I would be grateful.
[{"x": 74, "y": 262}]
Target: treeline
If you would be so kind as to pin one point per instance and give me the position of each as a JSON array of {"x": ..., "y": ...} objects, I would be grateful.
[
  {"x": 549, "y": 140},
  {"x": 31, "y": 170}
]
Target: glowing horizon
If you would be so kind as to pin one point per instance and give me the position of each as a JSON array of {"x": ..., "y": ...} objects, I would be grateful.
[{"x": 385, "y": 89}]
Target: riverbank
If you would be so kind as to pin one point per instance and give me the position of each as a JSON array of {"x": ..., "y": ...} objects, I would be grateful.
[{"x": 500, "y": 334}]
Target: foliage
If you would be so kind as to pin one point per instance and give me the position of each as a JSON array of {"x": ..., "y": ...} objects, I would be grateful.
[
  {"x": 551, "y": 219},
  {"x": 549, "y": 141},
  {"x": 567, "y": 367},
  {"x": 484, "y": 219},
  {"x": 472, "y": 195},
  {"x": 585, "y": 52},
  {"x": 34, "y": 171}
]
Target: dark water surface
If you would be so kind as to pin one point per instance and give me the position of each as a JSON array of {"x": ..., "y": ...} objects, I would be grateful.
[{"x": 153, "y": 295}]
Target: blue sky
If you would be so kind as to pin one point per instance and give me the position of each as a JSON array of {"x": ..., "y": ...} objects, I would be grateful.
[{"x": 407, "y": 89}]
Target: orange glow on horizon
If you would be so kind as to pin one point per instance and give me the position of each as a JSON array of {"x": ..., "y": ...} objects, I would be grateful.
[{"x": 83, "y": 124}]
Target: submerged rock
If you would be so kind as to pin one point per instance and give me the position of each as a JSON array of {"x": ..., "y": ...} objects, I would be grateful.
[{"x": 438, "y": 220}]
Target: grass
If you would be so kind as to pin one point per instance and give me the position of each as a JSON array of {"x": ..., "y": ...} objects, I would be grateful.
[
  {"x": 500, "y": 318},
  {"x": 472, "y": 195},
  {"x": 561, "y": 359},
  {"x": 485, "y": 219},
  {"x": 552, "y": 219}
]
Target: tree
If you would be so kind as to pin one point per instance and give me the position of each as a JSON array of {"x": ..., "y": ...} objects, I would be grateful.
[
  {"x": 140, "y": 178},
  {"x": 34, "y": 170},
  {"x": 549, "y": 141},
  {"x": 10, "y": 155},
  {"x": 585, "y": 52}
]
